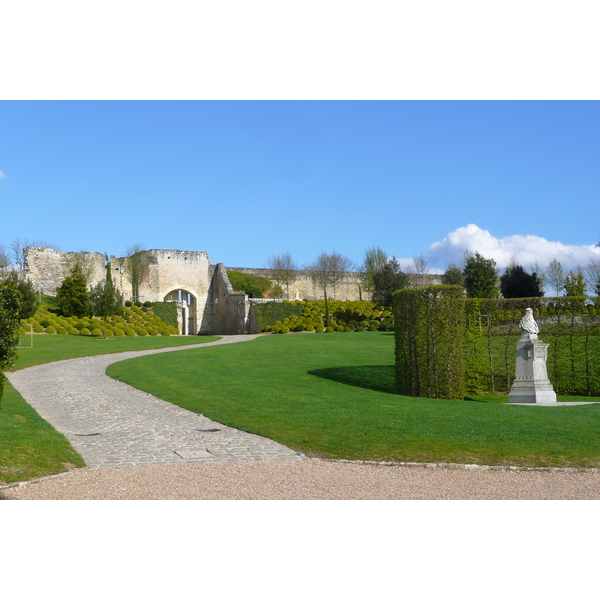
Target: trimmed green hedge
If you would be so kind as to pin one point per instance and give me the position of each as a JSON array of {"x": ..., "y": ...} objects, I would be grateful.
[
  {"x": 167, "y": 311},
  {"x": 430, "y": 333},
  {"x": 270, "y": 312},
  {"x": 444, "y": 347},
  {"x": 253, "y": 285}
]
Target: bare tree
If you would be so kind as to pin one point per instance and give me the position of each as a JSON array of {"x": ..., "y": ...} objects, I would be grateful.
[
  {"x": 420, "y": 265},
  {"x": 137, "y": 266},
  {"x": 17, "y": 249},
  {"x": 283, "y": 270},
  {"x": 326, "y": 271},
  {"x": 592, "y": 272},
  {"x": 555, "y": 276},
  {"x": 4, "y": 257},
  {"x": 375, "y": 260}
]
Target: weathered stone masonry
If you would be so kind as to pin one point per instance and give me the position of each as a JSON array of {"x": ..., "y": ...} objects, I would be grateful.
[{"x": 202, "y": 291}]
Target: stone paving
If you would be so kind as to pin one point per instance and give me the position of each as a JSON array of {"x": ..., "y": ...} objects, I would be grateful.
[{"x": 110, "y": 423}]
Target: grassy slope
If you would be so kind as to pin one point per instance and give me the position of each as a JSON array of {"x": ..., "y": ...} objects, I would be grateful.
[
  {"x": 332, "y": 395},
  {"x": 29, "y": 446}
]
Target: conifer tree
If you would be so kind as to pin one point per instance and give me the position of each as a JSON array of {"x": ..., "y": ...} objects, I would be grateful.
[{"x": 72, "y": 296}]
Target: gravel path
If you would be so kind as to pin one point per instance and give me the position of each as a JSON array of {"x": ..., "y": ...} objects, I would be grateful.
[{"x": 309, "y": 479}]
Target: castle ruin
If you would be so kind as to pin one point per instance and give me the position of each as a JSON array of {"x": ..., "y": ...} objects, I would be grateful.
[{"x": 205, "y": 299}]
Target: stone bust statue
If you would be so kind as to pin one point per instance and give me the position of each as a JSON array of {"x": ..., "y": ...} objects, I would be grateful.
[{"x": 528, "y": 324}]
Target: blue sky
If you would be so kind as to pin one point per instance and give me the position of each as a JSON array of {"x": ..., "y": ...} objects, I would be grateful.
[{"x": 245, "y": 179}]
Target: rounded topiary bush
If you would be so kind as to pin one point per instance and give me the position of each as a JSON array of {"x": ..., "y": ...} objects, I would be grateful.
[
  {"x": 138, "y": 304},
  {"x": 119, "y": 333},
  {"x": 73, "y": 331},
  {"x": 129, "y": 332},
  {"x": 50, "y": 329},
  {"x": 84, "y": 331},
  {"x": 45, "y": 323},
  {"x": 319, "y": 329},
  {"x": 38, "y": 328},
  {"x": 147, "y": 304},
  {"x": 348, "y": 329},
  {"x": 165, "y": 332},
  {"x": 141, "y": 331},
  {"x": 96, "y": 331},
  {"x": 152, "y": 331},
  {"x": 284, "y": 329},
  {"x": 329, "y": 330}
]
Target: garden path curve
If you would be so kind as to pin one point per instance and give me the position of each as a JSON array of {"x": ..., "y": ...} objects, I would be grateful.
[{"x": 110, "y": 423}]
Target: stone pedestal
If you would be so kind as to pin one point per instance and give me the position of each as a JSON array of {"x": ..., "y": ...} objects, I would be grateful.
[{"x": 531, "y": 383}]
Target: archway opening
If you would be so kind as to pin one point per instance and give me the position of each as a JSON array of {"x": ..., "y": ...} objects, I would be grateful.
[{"x": 186, "y": 303}]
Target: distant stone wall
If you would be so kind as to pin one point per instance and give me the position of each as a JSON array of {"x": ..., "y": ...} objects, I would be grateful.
[
  {"x": 47, "y": 268},
  {"x": 206, "y": 302},
  {"x": 349, "y": 288}
]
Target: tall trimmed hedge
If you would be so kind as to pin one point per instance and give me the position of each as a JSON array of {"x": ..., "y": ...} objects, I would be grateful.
[
  {"x": 430, "y": 336},
  {"x": 570, "y": 325},
  {"x": 167, "y": 311},
  {"x": 432, "y": 321},
  {"x": 270, "y": 312}
]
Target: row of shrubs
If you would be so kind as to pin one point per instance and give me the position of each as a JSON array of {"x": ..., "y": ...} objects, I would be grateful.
[
  {"x": 137, "y": 319},
  {"x": 345, "y": 316}
]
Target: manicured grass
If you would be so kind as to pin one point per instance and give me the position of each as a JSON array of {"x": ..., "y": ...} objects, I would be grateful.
[
  {"x": 29, "y": 446},
  {"x": 331, "y": 395},
  {"x": 49, "y": 348}
]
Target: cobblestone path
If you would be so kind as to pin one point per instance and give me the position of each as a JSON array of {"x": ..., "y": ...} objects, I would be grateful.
[{"x": 110, "y": 423}]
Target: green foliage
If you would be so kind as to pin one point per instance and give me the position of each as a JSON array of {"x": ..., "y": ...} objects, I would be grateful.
[
  {"x": 429, "y": 332},
  {"x": 517, "y": 283},
  {"x": 574, "y": 284},
  {"x": 10, "y": 309},
  {"x": 105, "y": 298},
  {"x": 387, "y": 280},
  {"x": 72, "y": 296},
  {"x": 480, "y": 276},
  {"x": 270, "y": 312},
  {"x": 453, "y": 276},
  {"x": 255, "y": 286},
  {"x": 305, "y": 315},
  {"x": 29, "y": 302}
]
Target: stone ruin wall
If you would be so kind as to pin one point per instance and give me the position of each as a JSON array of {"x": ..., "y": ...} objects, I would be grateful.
[
  {"x": 349, "y": 288},
  {"x": 218, "y": 308},
  {"x": 47, "y": 268}
]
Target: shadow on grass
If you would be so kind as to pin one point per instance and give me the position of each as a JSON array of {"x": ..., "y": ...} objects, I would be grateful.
[{"x": 380, "y": 378}]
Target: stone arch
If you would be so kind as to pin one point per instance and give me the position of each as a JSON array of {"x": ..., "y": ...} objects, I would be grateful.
[{"x": 187, "y": 309}]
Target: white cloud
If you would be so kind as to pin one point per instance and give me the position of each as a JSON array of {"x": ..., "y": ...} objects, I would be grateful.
[
  {"x": 2, "y": 175},
  {"x": 526, "y": 249}
]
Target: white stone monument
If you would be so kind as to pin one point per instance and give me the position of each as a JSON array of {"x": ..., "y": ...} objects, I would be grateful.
[{"x": 531, "y": 385}]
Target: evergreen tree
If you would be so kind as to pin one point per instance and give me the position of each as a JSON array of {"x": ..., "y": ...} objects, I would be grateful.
[
  {"x": 574, "y": 284},
  {"x": 386, "y": 281},
  {"x": 10, "y": 307},
  {"x": 517, "y": 283},
  {"x": 453, "y": 276},
  {"x": 29, "y": 299},
  {"x": 480, "y": 276},
  {"x": 72, "y": 296},
  {"x": 105, "y": 299}
]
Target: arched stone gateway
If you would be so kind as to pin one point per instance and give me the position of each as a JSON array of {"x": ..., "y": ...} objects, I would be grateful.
[{"x": 186, "y": 310}]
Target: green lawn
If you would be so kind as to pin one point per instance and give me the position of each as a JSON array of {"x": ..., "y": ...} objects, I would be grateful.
[
  {"x": 29, "y": 446},
  {"x": 333, "y": 396}
]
